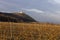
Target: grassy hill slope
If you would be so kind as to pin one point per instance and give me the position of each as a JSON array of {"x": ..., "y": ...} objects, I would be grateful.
[
  {"x": 15, "y": 17},
  {"x": 29, "y": 31}
]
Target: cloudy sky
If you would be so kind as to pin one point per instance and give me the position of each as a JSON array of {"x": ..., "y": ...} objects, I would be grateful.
[{"x": 40, "y": 10}]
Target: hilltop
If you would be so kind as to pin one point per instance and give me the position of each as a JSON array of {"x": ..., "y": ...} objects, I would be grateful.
[{"x": 15, "y": 17}]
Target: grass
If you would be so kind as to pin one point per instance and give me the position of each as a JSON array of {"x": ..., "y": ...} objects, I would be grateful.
[{"x": 29, "y": 31}]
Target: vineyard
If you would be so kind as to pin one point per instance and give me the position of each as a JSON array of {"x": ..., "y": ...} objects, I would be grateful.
[{"x": 29, "y": 31}]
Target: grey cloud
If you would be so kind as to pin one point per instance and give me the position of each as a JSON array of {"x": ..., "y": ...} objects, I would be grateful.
[{"x": 45, "y": 16}]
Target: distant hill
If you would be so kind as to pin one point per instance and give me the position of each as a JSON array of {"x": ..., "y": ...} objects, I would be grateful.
[{"x": 15, "y": 17}]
